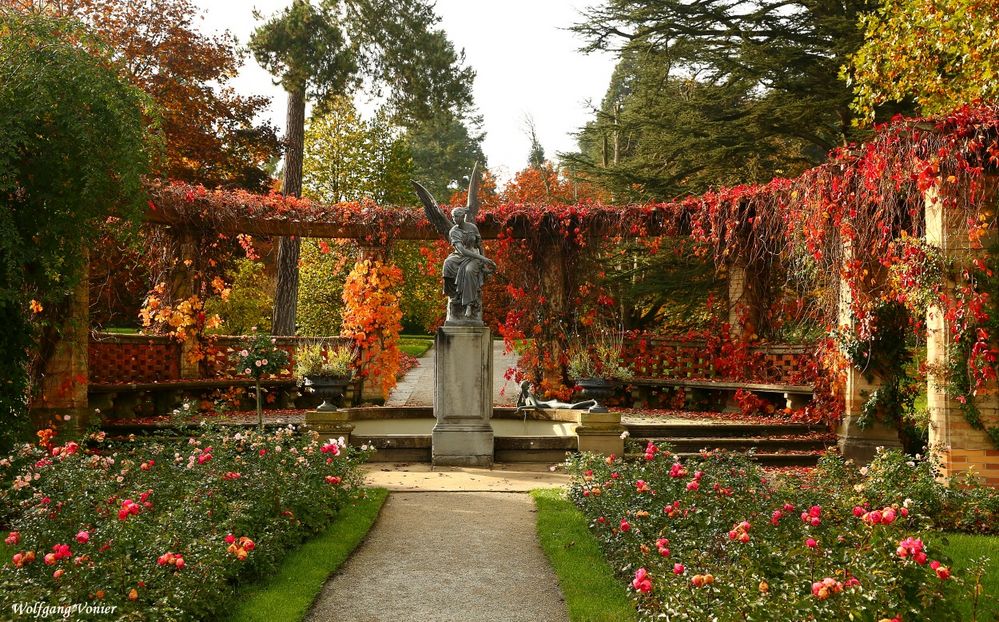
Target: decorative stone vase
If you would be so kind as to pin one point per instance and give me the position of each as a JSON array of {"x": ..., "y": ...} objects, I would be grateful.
[
  {"x": 330, "y": 388},
  {"x": 596, "y": 389}
]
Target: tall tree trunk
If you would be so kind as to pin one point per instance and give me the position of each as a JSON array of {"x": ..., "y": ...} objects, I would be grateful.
[{"x": 289, "y": 249}]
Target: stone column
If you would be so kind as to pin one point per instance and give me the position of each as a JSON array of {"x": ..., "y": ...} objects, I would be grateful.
[
  {"x": 856, "y": 443},
  {"x": 463, "y": 396},
  {"x": 958, "y": 446},
  {"x": 63, "y": 388}
]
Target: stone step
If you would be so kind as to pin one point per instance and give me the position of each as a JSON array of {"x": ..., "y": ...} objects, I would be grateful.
[
  {"x": 695, "y": 444},
  {"x": 418, "y": 447},
  {"x": 717, "y": 430},
  {"x": 809, "y": 459}
]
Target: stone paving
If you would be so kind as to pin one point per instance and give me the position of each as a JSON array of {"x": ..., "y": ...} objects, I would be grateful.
[
  {"x": 417, "y": 387},
  {"x": 443, "y": 557}
]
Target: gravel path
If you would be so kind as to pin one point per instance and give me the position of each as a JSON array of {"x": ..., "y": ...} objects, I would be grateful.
[
  {"x": 442, "y": 557},
  {"x": 417, "y": 387}
]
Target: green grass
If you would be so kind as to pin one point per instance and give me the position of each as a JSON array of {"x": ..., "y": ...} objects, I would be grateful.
[
  {"x": 287, "y": 595},
  {"x": 963, "y": 549},
  {"x": 415, "y": 346},
  {"x": 592, "y": 592}
]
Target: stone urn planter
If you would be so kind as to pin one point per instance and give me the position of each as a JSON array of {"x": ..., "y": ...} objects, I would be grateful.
[
  {"x": 596, "y": 389},
  {"x": 330, "y": 388}
]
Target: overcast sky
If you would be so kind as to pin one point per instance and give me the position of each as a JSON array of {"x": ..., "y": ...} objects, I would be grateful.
[{"x": 525, "y": 64}]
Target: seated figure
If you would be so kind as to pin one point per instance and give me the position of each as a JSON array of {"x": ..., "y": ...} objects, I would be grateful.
[{"x": 527, "y": 401}]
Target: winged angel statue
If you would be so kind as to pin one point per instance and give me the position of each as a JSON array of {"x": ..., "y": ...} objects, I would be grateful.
[{"x": 466, "y": 267}]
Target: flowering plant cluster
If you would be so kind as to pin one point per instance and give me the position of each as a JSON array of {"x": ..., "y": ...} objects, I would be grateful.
[
  {"x": 163, "y": 530},
  {"x": 716, "y": 537},
  {"x": 260, "y": 356}
]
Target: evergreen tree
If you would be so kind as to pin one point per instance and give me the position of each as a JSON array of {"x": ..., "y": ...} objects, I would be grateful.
[{"x": 710, "y": 92}]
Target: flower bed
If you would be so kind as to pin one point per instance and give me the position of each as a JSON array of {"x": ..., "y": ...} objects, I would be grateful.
[
  {"x": 163, "y": 530},
  {"x": 715, "y": 537}
]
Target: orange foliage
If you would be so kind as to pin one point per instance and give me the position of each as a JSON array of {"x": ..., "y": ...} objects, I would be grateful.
[
  {"x": 210, "y": 133},
  {"x": 550, "y": 185},
  {"x": 372, "y": 317}
]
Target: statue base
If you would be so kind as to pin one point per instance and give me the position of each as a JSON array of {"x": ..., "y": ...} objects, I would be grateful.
[{"x": 463, "y": 396}]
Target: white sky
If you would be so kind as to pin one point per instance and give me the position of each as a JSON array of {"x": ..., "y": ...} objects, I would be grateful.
[{"x": 525, "y": 64}]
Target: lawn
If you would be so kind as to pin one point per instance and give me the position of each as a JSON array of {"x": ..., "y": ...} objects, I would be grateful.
[
  {"x": 963, "y": 548},
  {"x": 287, "y": 595},
  {"x": 415, "y": 345},
  {"x": 592, "y": 592}
]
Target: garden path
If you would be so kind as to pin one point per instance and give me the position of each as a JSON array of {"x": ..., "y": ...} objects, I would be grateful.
[
  {"x": 446, "y": 556},
  {"x": 417, "y": 387}
]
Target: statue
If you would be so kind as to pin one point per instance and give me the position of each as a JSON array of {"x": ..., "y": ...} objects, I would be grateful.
[
  {"x": 527, "y": 401},
  {"x": 466, "y": 268}
]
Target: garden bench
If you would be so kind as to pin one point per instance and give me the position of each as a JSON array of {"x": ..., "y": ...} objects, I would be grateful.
[{"x": 721, "y": 394}]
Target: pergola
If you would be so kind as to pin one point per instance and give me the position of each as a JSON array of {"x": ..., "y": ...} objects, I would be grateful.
[{"x": 886, "y": 179}]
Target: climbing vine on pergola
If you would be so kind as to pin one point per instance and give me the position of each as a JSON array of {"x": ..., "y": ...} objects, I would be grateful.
[{"x": 843, "y": 219}]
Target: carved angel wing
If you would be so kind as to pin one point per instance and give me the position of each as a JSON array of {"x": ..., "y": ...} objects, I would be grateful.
[
  {"x": 437, "y": 218},
  {"x": 473, "y": 193}
]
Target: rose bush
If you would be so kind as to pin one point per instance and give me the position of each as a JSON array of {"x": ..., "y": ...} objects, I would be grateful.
[
  {"x": 164, "y": 529},
  {"x": 715, "y": 537}
]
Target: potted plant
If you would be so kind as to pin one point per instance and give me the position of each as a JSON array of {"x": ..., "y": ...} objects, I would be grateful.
[
  {"x": 596, "y": 367},
  {"x": 325, "y": 370},
  {"x": 257, "y": 357}
]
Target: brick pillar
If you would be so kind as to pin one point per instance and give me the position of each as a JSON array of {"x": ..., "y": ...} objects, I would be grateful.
[
  {"x": 63, "y": 388},
  {"x": 182, "y": 288},
  {"x": 743, "y": 301},
  {"x": 959, "y": 447},
  {"x": 856, "y": 443}
]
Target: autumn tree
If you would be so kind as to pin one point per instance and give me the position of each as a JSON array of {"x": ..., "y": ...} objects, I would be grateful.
[
  {"x": 937, "y": 53},
  {"x": 73, "y": 149},
  {"x": 210, "y": 133},
  {"x": 325, "y": 49}
]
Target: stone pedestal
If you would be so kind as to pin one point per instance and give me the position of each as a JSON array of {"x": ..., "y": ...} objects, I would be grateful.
[
  {"x": 330, "y": 424},
  {"x": 600, "y": 433},
  {"x": 463, "y": 396}
]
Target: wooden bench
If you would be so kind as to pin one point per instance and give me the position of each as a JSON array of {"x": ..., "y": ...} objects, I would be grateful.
[
  {"x": 123, "y": 400},
  {"x": 708, "y": 394}
]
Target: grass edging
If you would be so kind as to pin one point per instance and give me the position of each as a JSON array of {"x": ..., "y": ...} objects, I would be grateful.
[
  {"x": 592, "y": 592},
  {"x": 287, "y": 595}
]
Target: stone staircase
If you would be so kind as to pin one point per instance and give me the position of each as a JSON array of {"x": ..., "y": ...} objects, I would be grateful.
[{"x": 771, "y": 444}]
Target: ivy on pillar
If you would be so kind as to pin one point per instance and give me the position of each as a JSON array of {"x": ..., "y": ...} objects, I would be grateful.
[
  {"x": 182, "y": 288},
  {"x": 373, "y": 319},
  {"x": 858, "y": 442},
  {"x": 743, "y": 302},
  {"x": 959, "y": 446},
  {"x": 62, "y": 393}
]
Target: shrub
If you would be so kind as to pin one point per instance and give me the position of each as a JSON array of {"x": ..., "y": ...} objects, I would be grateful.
[
  {"x": 163, "y": 529},
  {"x": 249, "y": 301},
  {"x": 716, "y": 537}
]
